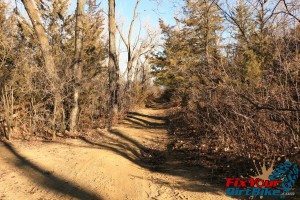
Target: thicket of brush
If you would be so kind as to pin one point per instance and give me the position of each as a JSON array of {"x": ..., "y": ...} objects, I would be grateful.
[
  {"x": 237, "y": 98},
  {"x": 28, "y": 99}
]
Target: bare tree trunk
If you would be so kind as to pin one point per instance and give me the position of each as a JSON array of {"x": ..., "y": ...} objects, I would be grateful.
[
  {"x": 129, "y": 70},
  {"x": 113, "y": 66},
  {"x": 130, "y": 47},
  {"x": 77, "y": 64},
  {"x": 8, "y": 107},
  {"x": 143, "y": 77},
  {"x": 36, "y": 20}
]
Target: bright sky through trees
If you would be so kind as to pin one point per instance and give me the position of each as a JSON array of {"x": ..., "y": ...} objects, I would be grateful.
[{"x": 150, "y": 11}]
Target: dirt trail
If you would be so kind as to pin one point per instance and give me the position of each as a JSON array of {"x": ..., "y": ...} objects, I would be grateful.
[{"x": 130, "y": 162}]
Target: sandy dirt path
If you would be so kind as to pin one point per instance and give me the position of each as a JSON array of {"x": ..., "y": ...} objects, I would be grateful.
[{"x": 130, "y": 162}]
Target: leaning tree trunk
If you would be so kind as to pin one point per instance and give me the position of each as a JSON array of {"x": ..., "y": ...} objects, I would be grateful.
[
  {"x": 77, "y": 68},
  {"x": 113, "y": 67},
  {"x": 36, "y": 20}
]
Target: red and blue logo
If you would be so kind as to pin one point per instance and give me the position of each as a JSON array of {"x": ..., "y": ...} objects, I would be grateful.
[{"x": 279, "y": 183}]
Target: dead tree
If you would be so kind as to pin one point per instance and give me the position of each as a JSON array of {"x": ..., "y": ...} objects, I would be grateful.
[
  {"x": 77, "y": 68},
  {"x": 113, "y": 65},
  {"x": 129, "y": 46},
  {"x": 50, "y": 68},
  {"x": 137, "y": 49}
]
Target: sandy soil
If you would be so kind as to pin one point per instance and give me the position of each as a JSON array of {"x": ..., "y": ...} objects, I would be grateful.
[{"x": 130, "y": 162}]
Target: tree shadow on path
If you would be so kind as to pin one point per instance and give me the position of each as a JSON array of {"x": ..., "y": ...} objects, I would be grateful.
[
  {"x": 164, "y": 161},
  {"x": 46, "y": 179}
]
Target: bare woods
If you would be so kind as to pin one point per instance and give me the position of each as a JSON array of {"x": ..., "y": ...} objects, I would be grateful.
[
  {"x": 60, "y": 71},
  {"x": 230, "y": 71},
  {"x": 233, "y": 71}
]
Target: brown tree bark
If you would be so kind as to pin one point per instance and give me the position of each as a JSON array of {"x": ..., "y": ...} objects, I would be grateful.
[
  {"x": 113, "y": 66},
  {"x": 77, "y": 68},
  {"x": 130, "y": 47},
  {"x": 36, "y": 20}
]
